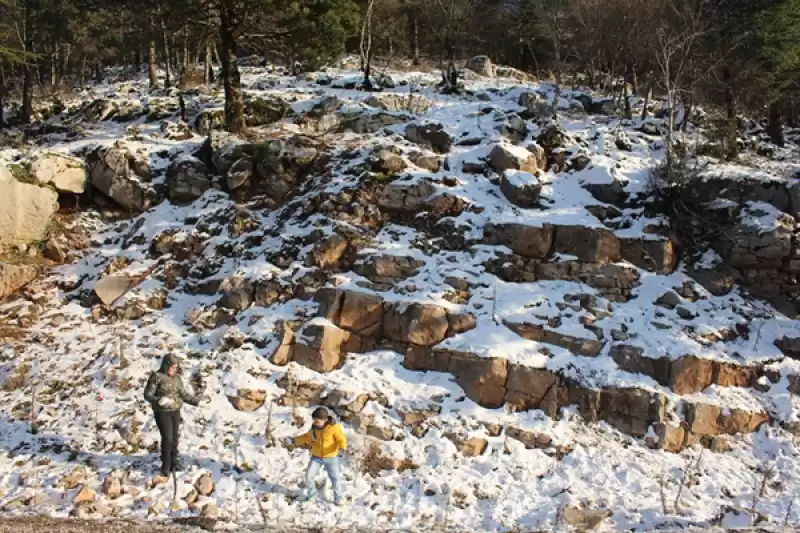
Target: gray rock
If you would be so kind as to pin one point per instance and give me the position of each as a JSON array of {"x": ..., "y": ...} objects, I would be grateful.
[
  {"x": 66, "y": 174},
  {"x": 110, "y": 288},
  {"x": 187, "y": 180},
  {"x": 430, "y": 136}
]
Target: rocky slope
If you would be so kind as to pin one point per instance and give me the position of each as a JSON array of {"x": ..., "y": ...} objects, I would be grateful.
[{"x": 511, "y": 330}]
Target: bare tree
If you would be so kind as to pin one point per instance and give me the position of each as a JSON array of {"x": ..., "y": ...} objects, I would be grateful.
[
  {"x": 679, "y": 25},
  {"x": 366, "y": 45}
]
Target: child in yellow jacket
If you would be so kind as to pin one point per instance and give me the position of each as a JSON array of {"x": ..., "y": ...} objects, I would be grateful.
[{"x": 327, "y": 441}]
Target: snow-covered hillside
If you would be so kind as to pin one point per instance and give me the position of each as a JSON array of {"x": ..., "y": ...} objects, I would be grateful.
[{"x": 483, "y": 296}]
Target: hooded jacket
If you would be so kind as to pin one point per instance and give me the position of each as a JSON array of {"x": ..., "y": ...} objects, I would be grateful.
[
  {"x": 161, "y": 384},
  {"x": 325, "y": 442}
]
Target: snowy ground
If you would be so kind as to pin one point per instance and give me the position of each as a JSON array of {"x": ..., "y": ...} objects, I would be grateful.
[{"x": 85, "y": 376}]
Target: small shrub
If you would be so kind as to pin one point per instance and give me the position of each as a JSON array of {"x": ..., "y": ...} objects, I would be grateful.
[{"x": 18, "y": 379}]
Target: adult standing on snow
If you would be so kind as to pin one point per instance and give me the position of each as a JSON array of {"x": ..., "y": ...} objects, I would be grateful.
[
  {"x": 166, "y": 393},
  {"x": 327, "y": 441}
]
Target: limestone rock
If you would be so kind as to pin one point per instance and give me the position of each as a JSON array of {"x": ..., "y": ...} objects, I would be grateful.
[
  {"x": 531, "y": 439},
  {"x": 388, "y": 162},
  {"x": 408, "y": 103},
  {"x": 248, "y": 400},
  {"x": 261, "y": 111},
  {"x": 506, "y": 157},
  {"x": 372, "y": 122},
  {"x": 85, "y": 495},
  {"x": 757, "y": 248},
  {"x": 14, "y": 277},
  {"x": 110, "y": 288},
  {"x": 657, "y": 255},
  {"x": 690, "y": 374},
  {"x": 187, "y": 180},
  {"x": 431, "y": 136},
  {"x": 529, "y": 241},
  {"x": 54, "y": 251},
  {"x": 122, "y": 177},
  {"x": 403, "y": 195},
  {"x": 482, "y": 378},
  {"x": 237, "y": 293},
  {"x": 420, "y": 324},
  {"x": 708, "y": 420},
  {"x": 240, "y": 173},
  {"x": 327, "y": 253},
  {"x": 66, "y": 174},
  {"x": 589, "y": 347},
  {"x": 535, "y": 105},
  {"x": 584, "y": 519},
  {"x": 25, "y": 210},
  {"x": 389, "y": 268},
  {"x": 112, "y": 487},
  {"x": 204, "y": 485},
  {"x": 210, "y": 510},
  {"x": 481, "y": 65},
  {"x": 521, "y": 188},
  {"x": 468, "y": 446},
  {"x": 596, "y": 245},
  {"x": 321, "y": 346}
]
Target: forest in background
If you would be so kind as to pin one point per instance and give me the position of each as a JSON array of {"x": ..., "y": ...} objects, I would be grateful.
[{"x": 740, "y": 57}]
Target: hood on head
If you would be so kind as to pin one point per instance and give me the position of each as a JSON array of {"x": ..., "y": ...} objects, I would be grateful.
[{"x": 169, "y": 360}]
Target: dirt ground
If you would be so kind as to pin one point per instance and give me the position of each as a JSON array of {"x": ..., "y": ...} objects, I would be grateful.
[{"x": 49, "y": 525}]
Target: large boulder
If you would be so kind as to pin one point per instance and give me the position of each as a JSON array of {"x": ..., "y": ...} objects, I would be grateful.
[
  {"x": 187, "y": 180},
  {"x": 14, "y": 277},
  {"x": 432, "y": 136},
  {"x": 406, "y": 195},
  {"x": 321, "y": 346},
  {"x": 25, "y": 210},
  {"x": 595, "y": 245},
  {"x": 388, "y": 268},
  {"x": 366, "y": 122},
  {"x": 111, "y": 288},
  {"x": 281, "y": 164},
  {"x": 481, "y": 65},
  {"x": 262, "y": 111},
  {"x": 521, "y": 188},
  {"x": 506, "y": 157},
  {"x": 535, "y": 105},
  {"x": 66, "y": 174},
  {"x": 655, "y": 255},
  {"x": 122, "y": 177},
  {"x": 420, "y": 324},
  {"x": 482, "y": 378},
  {"x": 762, "y": 239},
  {"x": 529, "y": 241}
]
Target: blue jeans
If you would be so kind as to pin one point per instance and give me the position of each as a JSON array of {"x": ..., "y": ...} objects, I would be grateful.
[{"x": 334, "y": 470}]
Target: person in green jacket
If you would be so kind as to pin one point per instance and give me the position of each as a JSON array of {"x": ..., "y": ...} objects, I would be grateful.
[{"x": 166, "y": 393}]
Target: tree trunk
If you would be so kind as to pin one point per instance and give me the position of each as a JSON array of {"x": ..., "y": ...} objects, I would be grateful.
[
  {"x": 83, "y": 71},
  {"x": 186, "y": 53},
  {"x": 208, "y": 73},
  {"x": 774, "y": 125},
  {"x": 366, "y": 46},
  {"x": 626, "y": 96},
  {"x": 26, "y": 112},
  {"x": 648, "y": 94},
  {"x": 152, "y": 69},
  {"x": 167, "y": 55},
  {"x": 234, "y": 105},
  {"x": 414, "y": 40},
  {"x": 731, "y": 144}
]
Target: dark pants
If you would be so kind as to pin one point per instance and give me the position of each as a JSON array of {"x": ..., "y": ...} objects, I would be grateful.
[{"x": 169, "y": 423}]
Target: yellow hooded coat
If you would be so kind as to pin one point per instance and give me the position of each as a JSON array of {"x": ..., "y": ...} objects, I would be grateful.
[{"x": 325, "y": 442}]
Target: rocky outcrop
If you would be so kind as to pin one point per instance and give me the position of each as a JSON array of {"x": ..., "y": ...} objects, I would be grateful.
[
  {"x": 262, "y": 111},
  {"x": 210, "y": 120},
  {"x": 655, "y": 255},
  {"x": 14, "y": 277},
  {"x": 521, "y": 188},
  {"x": 431, "y": 136},
  {"x": 408, "y": 103},
  {"x": 687, "y": 374},
  {"x": 506, "y": 157},
  {"x": 480, "y": 65},
  {"x": 248, "y": 400},
  {"x": 528, "y": 241},
  {"x": 122, "y": 177},
  {"x": 187, "y": 180},
  {"x": 66, "y": 174},
  {"x": 388, "y": 268},
  {"x": 25, "y": 210},
  {"x": 406, "y": 195},
  {"x": 593, "y": 245},
  {"x": 322, "y": 346},
  {"x": 590, "y": 347}
]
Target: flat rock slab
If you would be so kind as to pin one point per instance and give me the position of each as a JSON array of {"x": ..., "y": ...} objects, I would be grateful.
[{"x": 110, "y": 288}]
